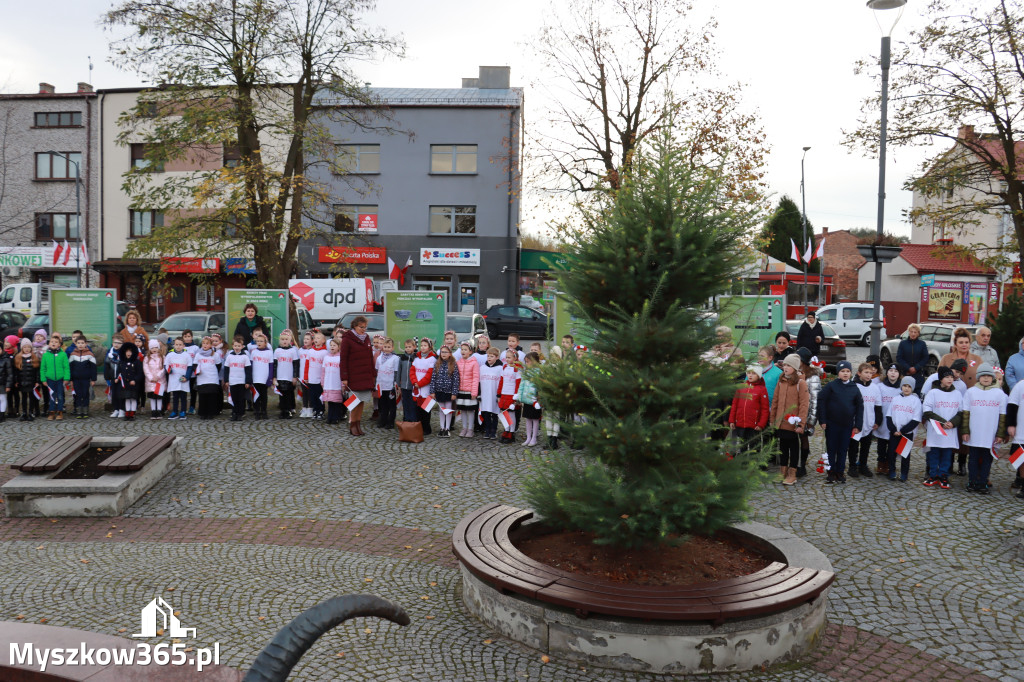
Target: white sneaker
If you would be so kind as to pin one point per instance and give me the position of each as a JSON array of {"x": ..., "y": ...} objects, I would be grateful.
[
  {"x": 115, "y": 414},
  {"x": 120, "y": 413},
  {"x": 306, "y": 413}
]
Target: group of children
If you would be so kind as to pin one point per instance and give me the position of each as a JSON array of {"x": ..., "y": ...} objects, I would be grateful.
[{"x": 482, "y": 385}]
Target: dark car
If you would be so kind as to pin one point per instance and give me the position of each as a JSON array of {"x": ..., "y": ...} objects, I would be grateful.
[
  {"x": 11, "y": 322},
  {"x": 35, "y": 323},
  {"x": 503, "y": 320},
  {"x": 833, "y": 348}
]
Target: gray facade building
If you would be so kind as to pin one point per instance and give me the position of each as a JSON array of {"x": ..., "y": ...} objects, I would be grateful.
[{"x": 437, "y": 181}]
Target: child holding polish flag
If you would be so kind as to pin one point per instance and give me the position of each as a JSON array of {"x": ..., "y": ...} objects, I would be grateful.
[
  {"x": 305, "y": 353},
  {"x": 1015, "y": 430},
  {"x": 156, "y": 379},
  {"x": 262, "y": 358},
  {"x": 902, "y": 417},
  {"x": 26, "y": 372},
  {"x": 983, "y": 424},
  {"x": 511, "y": 376},
  {"x": 527, "y": 397},
  {"x": 332, "y": 389},
  {"x": 942, "y": 409},
  {"x": 490, "y": 380},
  {"x": 237, "y": 377},
  {"x": 469, "y": 384},
  {"x": 286, "y": 372},
  {"x": 420, "y": 372},
  {"x": 387, "y": 384},
  {"x": 444, "y": 384}
]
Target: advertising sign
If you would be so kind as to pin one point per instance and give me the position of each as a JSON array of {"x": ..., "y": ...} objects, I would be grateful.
[
  {"x": 190, "y": 265},
  {"x": 977, "y": 309},
  {"x": 367, "y": 222},
  {"x": 41, "y": 256},
  {"x": 352, "y": 254},
  {"x": 94, "y": 311},
  {"x": 240, "y": 266},
  {"x": 754, "y": 321},
  {"x": 415, "y": 314},
  {"x": 945, "y": 301},
  {"x": 450, "y": 257},
  {"x": 271, "y": 305},
  {"x": 567, "y": 323},
  {"x": 927, "y": 280}
]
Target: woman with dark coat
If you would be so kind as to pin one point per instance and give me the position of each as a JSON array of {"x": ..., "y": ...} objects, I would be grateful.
[
  {"x": 811, "y": 334},
  {"x": 912, "y": 356},
  {"x": 250, "y": 323},
  {"x": 357, "y": 370}
]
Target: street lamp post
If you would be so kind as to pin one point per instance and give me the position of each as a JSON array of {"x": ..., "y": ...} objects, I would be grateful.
[
  {"x": 803, "y": 221},
  {"x": 78, "y": 216},
  {"x": 880, "y": 8}
]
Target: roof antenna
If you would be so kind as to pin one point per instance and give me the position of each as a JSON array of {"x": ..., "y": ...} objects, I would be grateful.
[{"x": 90, "y": 70}]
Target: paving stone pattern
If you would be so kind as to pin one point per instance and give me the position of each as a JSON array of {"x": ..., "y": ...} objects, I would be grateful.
[{"x": 264, "y": 519}]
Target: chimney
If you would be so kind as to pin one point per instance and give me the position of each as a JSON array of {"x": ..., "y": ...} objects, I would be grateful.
[
  {"x": 965, "y": 133},
  {"x": 471, "y": 82},
  {"x": 84, "y": 87},
  {"x": 494, "y": 77},
  {"x": 46, "y": 89},
  {"x": 824, "y": 232}
]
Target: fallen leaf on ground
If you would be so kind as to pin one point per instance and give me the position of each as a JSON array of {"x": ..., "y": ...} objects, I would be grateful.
[{"x": 545, "y": 659}]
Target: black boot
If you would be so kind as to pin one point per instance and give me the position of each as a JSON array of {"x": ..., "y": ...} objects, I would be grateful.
[
  {"x": 801, "y": 470},
  {"x": 552, "y": 442}
]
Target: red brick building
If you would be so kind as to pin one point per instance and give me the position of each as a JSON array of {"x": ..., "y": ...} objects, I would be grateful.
[{"x": 842, "y": 261}]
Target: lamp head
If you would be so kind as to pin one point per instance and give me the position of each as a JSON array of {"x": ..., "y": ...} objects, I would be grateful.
[
  {"x": 886, "y": 22},
  {"x": 806, "y": 148}
]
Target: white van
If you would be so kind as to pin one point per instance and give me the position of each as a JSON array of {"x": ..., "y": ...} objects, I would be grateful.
[
  {"x": 29, "y": 299},
  {"x": 852, "y": 321}
]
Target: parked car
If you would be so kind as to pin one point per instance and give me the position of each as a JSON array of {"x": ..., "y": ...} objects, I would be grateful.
[
  {"x": 937, "y": 336},
  {"x": 833, "y": 348},
  {"x": 503, "y": 320},
  {"x": 852, "y": 321},
  {"x": 201, "y": 322},
  {"x": 467, "y": 326},
  {"x": 374, "y": 322},
  {"x": 28, "y": 298},
  {"x": 35, "y": 323},
  {"x": 11, "y": 322}
]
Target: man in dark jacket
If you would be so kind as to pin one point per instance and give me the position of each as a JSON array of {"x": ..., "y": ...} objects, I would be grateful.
[
  {"x": 840, "y": 413},
  {"x": 912, "y": 357},
  {"x": 811, "y": 334}
]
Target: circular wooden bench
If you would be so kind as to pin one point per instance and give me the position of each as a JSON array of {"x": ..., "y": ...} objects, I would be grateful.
[{"x": 481, "y": 542}]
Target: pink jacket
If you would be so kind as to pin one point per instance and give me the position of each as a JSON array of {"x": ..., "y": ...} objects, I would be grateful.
[
  {"x": 469, "y": 375},
  {"x": 153, "y": 367}
]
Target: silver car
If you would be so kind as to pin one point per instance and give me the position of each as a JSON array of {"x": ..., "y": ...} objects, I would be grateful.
[{"x": 938, "y": 337}]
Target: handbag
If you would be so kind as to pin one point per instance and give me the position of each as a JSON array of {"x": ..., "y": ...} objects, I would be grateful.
[{"x": 410, "y": 432}]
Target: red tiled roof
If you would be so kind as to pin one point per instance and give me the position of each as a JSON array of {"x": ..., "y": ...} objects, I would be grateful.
[{"x": 931, "y": 258}]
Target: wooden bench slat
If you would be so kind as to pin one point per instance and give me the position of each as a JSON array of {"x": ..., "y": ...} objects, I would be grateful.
[
  {"x": 45, "y": 451},
  {"x": 809, "y": 591},
  {"x": 800, "y": 577},
  {"x": 690, "y": 609},
  {"x": 136, "y": 454},
  {"x": 668, "y": 592},
  {"x": 54, "y": 455}
]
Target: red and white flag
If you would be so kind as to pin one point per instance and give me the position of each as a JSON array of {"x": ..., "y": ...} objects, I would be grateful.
[
  {"x": 536, "y": 404},
  {"x": 480, "y": 417},
  {"x": 106, "y": 391},
  {"x": 376, "y": 391},
  {"x": 158, "y": 388},
  {"x": 809, "y": 253},
  {"x": 300, "y": 388},
  {"x": 820, "y": 252},
  {"x": 37, "y": 393},
  {"x": 254, "y": 392},
  {"x": 352, "y": 401},
  {"x": 995, "y": 455},
  {"x": 83, "y": 254},
  {"x": 57, "y": 250},
  {"x": 230, "y": 401},
  {"x": 276, "y": 391},
  {"x": 392, "y": 269},
  {"x": 937, "y": 425},
  {"x": 446, "y": 410},
  {"x": 904, "y": 446},
  {"x": 1016, "y": 456},
  {"x": 70, "y": 387},
  {"x": 67, "y": 253},
  {"x": 794, "y": 253},
  {"x": 427, "y": 404},
  {"x": 507, "y": 420}
]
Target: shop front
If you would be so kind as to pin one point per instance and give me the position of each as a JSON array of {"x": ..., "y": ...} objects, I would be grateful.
[{"x": 21, "y": 264}]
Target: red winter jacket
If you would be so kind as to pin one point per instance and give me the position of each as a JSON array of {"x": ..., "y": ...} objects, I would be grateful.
[
  {"x": 750, "y": 406},
  {"x": 357, "y": 362}
]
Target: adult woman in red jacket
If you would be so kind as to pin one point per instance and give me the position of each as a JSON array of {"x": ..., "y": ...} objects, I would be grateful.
[{"x": 357, "y": 370}]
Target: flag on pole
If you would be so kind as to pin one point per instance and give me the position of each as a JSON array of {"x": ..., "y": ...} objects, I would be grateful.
[
  {"x": 427, "y": 404},
  {"x": 57, "y": 250},
  {"x": 393, "y": 270},
  {"x": 937, "y": 425},
  {"x": 536, "y": 404},
  {"x": 106, "y": 391},
  {"x": 809, "y": 253},
  {"x": 995, "y": 455},
  {"x": 506, "y": 420},
  {"x": 37, "y": 393},
  {"x": 158, "y": 388},
  {"x": 904, "y": 446},
  {"x": 301, "y": 389},
  {"x": 1016, "y": 456},
  {"x": 352, "y": 401},
  {"x": 83, "y": 255},
  {"x": 67, "y": 253},
  {"x": 376, "y": 391},
  {"x": 820, "y": 252},
  {"x": 794, "y": 254},
  {"x": 68, "y": 386}
]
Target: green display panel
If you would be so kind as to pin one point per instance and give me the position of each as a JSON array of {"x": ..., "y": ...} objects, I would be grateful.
[
  {"x": 415, "y": 314},
  {"x": 754, "y": 321},
  {"x": 94, "y": 311},
  {"x": 567, "y": 323},
  {"x": 271, "y": 305}
]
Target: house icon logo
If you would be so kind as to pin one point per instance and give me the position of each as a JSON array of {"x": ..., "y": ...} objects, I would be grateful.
[{"x": 159, "y": 615}]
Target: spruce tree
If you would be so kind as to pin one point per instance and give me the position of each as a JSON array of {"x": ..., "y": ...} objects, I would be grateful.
[{"x": 666, "y": 242}]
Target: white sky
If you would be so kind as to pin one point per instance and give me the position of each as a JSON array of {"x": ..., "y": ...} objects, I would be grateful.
[{"x": 795, "y": 58}]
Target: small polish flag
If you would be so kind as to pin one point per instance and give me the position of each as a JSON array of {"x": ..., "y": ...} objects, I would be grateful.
[
  {"x": 376, "y": 391},
  {"x": 937, "y": 425},
  {"x": 120, "y": 380},
  {"x": 480, "y": 417},
  {"x": 68, "y": 386},
  {"x": 158, "y": 388},
  {"x": 254, "y": 392},
  {"x": 57, "y": 250},
  {"x": 352, "y": 401},
  {"x": 1016, "y": 456},
  {"x": 820, "y": 252},
  {"x": 230, "y": 401},
  {"x": 995, "y": 454},
  {"x": 446, "y": 410},
  {"x": 809, "y": 253},
  {"x": 794, "y": 253},
  {"x": 427, "y": 404},
  {"x": 83, "y": 254},
  {"x": 904, "y": 446},
  {"x": 276, "y": 391},
  {"x": 106, "y": 391},
  {"x": 506, "y": 420},
  {"x": 37, "y": 393},
  {"x": 536, "y": 404},
  {"x": 301, "y": 389}
]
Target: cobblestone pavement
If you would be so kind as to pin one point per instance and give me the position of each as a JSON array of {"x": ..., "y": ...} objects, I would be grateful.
[{"x": 264, "y": 519}]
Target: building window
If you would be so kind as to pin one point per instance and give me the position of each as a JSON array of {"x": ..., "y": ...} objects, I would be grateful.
[
  {"x": 57, "y": 166},
  {"x": 453, "y": 158},
  {"x": 452, "y": 219},
  {"x": 58, "y": 119},
  {"x": 139, "y": 159},
  {"x": 353, "y": 218},
  {"x": 358, "y": 158},
  {"x": 56, "y": 226},
  {"x": 232, "y": 156},
  {"x": 143, "y": 222}
]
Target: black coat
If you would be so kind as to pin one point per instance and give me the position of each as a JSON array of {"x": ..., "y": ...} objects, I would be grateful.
[
  {"x": 129, "y": 370},
  {"x": 6, "y": 372},
  {"x": 242, "y": 329},
  {"x": 806, "y": 337},
  {"x": 27, "y": 376}
]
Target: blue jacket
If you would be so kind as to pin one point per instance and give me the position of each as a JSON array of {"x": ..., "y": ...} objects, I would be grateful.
[
  {"x": 841, "y": 406},
  {"x": 1015, "y": 368},
  {"x": 771, "y": 377}
]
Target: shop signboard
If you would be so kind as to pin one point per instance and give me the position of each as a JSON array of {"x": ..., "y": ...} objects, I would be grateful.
[
  {"x": 927, "y": 280},
  {"x": 944, "y": 301},
  {"x": 450, "y": 257},
  {"x": 754, "y": 321},
  {"x": 367, "y": 223},
  {"x": 41, "y": 256},
  {"x": 415, "y": 314},
  {"x": 94, "y": 311},
  {"x": 977, "y": 308},
  {"x": 240, "y": 266},
  {"x": 197, "y": 266},
  {"x": 567, "y": 322},
  {"x": 271, "y": 305},
  {"x": 352, "y": 254}
]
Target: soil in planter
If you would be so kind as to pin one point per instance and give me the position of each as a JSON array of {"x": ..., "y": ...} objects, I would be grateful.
[
  {"x": 85, "y": 466},
  {"x": 698, "y": 560}
]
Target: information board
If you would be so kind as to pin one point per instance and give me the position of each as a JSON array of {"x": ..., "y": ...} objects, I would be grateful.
[
  {"x": 754, "y": 321},
  {"x": 271, "y": 305},
  {"x": 567, "y": 323},
  {"x": 94, "y": 311},
  {"x": 415, "y": 314}
]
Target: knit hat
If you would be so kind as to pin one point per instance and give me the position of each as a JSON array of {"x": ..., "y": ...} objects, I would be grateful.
[
  {"x": 891, "y": 367},
  {"x": 985, "y": 369},
  {"x": 805, "y": 355},
  {"x": 908, "y": 381},
  {"x": 843, "y": 364},
  {"x": 26, "y": 342},
  {"x": 153, "y": 343},
  {"x": 12, "y": 339},
  {"x": 873, "y": 360},
  {"x": 959, "y": 365},
  {"x": 945, "y": 372},
  {"x": 755, "y": 369},
  {"x": 793, "y": 360},
  {"x": 40, "y": 332}
]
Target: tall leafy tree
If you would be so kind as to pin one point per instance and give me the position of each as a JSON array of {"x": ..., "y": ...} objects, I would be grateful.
[
  {"x": 966, "y": 67},
  {"x": 783, "y": 225},
  {"x": 664, "y": 245},
  {"x": 238, "y": 83}
]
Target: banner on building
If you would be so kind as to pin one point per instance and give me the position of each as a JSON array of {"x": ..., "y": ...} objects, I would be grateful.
[
  {"x": 945, "y": 301},
  {"x": 352, "y": 254},
  {"x": 450, "y": 257}
]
